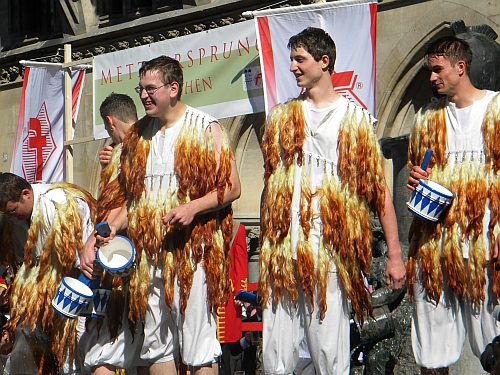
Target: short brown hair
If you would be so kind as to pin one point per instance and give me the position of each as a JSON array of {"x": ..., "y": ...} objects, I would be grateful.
[
  {"x": 11, "y": 187},
  {"x": 169, "y": 69},
  {"x": 452, "y": 48},
  {"x": 317, "y": 42}
]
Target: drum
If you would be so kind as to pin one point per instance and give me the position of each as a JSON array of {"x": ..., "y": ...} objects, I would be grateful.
[
  {"x": 98, "y": 306},
  {"x": 428, "y": 200},
  {"x": 71, "y": 297},
  {"x": 117, "y": 257}
]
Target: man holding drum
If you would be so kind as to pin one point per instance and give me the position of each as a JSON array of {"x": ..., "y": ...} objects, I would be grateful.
[
  {"x": 54, "y": 221},
  {"x": 177, "y": 180},
  {"x": 453, "y": 263}
]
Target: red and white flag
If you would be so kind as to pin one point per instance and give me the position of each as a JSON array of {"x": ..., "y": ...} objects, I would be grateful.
[
  {"x": 351, "y": 24},
  {"x": 38, "y": 152}
]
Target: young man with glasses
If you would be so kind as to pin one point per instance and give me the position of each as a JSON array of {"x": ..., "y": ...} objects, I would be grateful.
[
  {"x": 51, "y": 223},
  {"x": 177, "y": 180}
]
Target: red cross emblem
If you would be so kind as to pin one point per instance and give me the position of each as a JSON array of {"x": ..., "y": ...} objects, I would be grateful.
[{"x": 38, "y": 145}]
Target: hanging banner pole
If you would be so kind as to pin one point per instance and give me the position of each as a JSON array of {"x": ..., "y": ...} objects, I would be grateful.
[{"x": 68, "y": 117}]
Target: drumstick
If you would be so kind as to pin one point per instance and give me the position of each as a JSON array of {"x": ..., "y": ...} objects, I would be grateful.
[{"x": 427, "y": 159}]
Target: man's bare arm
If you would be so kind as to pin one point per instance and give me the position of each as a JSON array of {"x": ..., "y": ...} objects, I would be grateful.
[{"x": 395, "y": 271}]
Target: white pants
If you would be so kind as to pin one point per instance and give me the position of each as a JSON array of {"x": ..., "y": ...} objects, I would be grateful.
[
  {"x": 167, "y": 331},
  {"x": 438, "y": 332},
  {"x": 122, "y": 353},
  {"x": 285, "y": 324}
]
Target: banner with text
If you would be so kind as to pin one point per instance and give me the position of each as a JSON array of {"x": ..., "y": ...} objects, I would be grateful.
[
  {"x": 221, "y": 72},
  {"x": 351, "y": 24},
  {"x": 38, "y": 150}
]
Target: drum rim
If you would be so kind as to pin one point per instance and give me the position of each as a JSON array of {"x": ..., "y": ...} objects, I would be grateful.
[
  {"x": 123, "y": 267},
  {"x": 81, "y": 293},
  {"x": 442, "y": 194}
]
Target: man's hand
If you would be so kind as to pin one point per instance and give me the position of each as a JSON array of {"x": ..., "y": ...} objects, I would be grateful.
[
  {"x": 105, "y": 155},
  {"x": 181, "y": 216},
  {"x": 88, "y": 258},
  {"x": 395, "y": 273},
  {"x": 417, "y": 173}
]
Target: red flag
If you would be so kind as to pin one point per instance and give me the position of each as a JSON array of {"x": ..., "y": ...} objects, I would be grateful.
[{"x": 38, "y": 151}]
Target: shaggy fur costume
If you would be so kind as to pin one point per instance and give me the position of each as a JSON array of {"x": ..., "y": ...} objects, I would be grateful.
[
  {"x": 349, "y": 191},
  {"x": 475, "y": 181},
  {"x": 208, "y": 237}
]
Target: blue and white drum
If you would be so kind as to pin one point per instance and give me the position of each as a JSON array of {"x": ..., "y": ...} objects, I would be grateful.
[
  {"x": 97, "y": 308},
  {"x": 429, "y": 200},
  {"x": 117, "y": 257},
  {"x": 71, "y": 297}
]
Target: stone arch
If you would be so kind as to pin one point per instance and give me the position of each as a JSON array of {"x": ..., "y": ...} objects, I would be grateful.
[{"x": 246, "y": 135}]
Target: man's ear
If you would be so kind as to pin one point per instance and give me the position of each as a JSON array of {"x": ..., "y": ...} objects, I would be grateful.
[
  {"x": 326, "y": 61},
  {"x": 111, "y": 122},
  {"x": 462, "y": 67},
  {"x": 174, "y": 89},
  {"x": 26, "y": 194}
]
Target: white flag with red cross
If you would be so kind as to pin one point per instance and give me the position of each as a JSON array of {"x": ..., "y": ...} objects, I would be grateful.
[
  {"x": 351, "y": 24},
  {"x": 38, "y": 151}
]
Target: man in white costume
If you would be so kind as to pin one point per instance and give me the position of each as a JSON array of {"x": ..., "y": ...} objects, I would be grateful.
[
  {"x": 54, "y": 220},
  {"x": 452, "y": 263},
  {"x": 323, "y": 175},
  {"x": 173, "y": 194}
]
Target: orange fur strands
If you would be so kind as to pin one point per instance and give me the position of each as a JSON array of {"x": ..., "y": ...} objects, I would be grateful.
[
  {"x": 138, "y": 290},
  {"x": 38, "y": 279},
  {"x": 292, "y": 134},
  {"x": 305, "y": 257},
  {"x": 134, "y": 157},
  {"x": 276, "y": 221},
  {"x": 453, "y": 262},
  {"x": 429, "y": 117},
  {"x": 112, "y": 196},
  {"x": 199, "y": 170},
  {"x": 491, "y": 132},
  {"x": 285, "y": 133},
  {"x": 343, "y": 202},
  {"x": 185, "y": 274},
  {"x": 264, "y": 270},
  {"x": 494, "y": 197},
  {"x": 217, "y": 264},
  {"x": 359, "y": 159},
  {"x": 64, "y": 338},
  {"x": 305, "y": 269},
  {"x": 110, "y": 172},
  {"x": 270, "y": 146}
]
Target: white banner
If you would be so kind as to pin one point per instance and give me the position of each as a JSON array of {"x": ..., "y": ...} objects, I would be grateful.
[
  {"x": 221, "y": 72},
  {"x": 38, "y": 150},
  {"x": 351, "y": 24}
]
